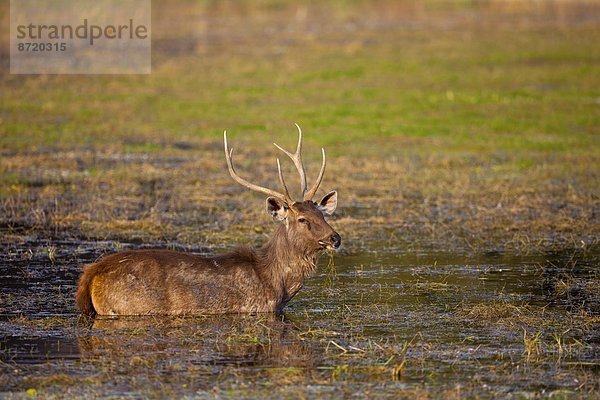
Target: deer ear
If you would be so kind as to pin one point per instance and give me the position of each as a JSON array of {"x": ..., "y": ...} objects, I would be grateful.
[
  {"x": 328, "y": 204},
  {"x": 277, "y": 209}
]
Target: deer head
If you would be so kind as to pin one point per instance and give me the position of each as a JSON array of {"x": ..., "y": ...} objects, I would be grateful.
[{"x": 304, "y": 220}]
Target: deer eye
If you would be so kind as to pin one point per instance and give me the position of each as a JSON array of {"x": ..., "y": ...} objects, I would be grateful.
[{"x": 304, "y": 222}]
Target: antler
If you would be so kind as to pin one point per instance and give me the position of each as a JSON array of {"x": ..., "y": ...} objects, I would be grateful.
[
  {"x": 297, "y": 159},
  {"x": 286, "y": 192},
  {"x": 311, "y": 193},
  {"x": 228, "y": 156}
]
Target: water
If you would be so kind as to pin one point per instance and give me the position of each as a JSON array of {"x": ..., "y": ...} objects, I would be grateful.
[{"x": 376, "y": 324}]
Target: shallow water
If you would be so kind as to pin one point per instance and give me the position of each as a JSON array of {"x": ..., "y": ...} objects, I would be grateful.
[{"x": 378, "y": 324}]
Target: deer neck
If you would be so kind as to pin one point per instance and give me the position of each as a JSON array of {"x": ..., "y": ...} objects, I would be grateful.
[{"x": 284, "y": 265}]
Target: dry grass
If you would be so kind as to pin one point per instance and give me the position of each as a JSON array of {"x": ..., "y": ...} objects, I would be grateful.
[
  {"x": 400, "y": 201},
  {"x": 498, "y": 311}
]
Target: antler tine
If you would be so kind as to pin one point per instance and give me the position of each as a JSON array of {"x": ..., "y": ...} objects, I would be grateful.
[
  {"x": 287, "y": 193},
  {"x": 310, "y": 194},
  {"x": 245, "y": 183},
  {"x": 297, "y": 159}
]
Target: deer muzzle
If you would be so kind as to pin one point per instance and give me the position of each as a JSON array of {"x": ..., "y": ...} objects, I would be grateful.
[{"x": 333, "y": 242}]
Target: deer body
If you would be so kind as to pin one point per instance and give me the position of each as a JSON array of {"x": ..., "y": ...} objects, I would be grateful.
[{"x": 144, "y": 282}]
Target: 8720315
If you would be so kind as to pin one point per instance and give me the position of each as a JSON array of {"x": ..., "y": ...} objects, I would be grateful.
[{"x": 46, "y": 47}]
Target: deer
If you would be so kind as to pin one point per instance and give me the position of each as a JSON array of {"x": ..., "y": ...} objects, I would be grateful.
[{"x": 244, "y": 281}]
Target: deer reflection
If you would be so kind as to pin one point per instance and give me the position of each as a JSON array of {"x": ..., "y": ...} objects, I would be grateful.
[{"x": 249, "y": 340}]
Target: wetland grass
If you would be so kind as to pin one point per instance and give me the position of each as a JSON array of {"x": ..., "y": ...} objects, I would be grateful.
[{"x": 465, "y": 148}]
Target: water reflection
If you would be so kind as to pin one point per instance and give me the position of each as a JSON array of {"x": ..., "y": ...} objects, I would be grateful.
[
  {"x": 29, "y": 349},
  {"x": 404, "y": 279},
  {"x": 242, "y": 340}
]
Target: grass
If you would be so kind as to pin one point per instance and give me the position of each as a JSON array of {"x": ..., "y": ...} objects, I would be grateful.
[{"x": 473, "y": 156}]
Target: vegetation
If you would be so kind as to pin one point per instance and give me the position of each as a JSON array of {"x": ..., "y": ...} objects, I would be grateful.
[{"x": 464, "y": 131}]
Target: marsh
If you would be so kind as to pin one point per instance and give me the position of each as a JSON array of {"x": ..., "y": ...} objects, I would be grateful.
[{"x": 462, "y": 138}]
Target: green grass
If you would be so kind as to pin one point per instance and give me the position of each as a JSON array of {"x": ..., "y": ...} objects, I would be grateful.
[{"x": 518, "y": 90}]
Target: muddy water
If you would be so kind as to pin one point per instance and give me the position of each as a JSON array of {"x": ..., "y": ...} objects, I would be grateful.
[{"x": 376, "y": 324}]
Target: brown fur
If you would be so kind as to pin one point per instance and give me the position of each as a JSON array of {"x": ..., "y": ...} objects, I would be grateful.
[
  {"x": 83, "y": 297},
  {"x": 141, "y": 282}
]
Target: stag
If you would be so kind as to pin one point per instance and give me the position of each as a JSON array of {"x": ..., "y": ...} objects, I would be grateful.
[{"x": 164, "y": 282}]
